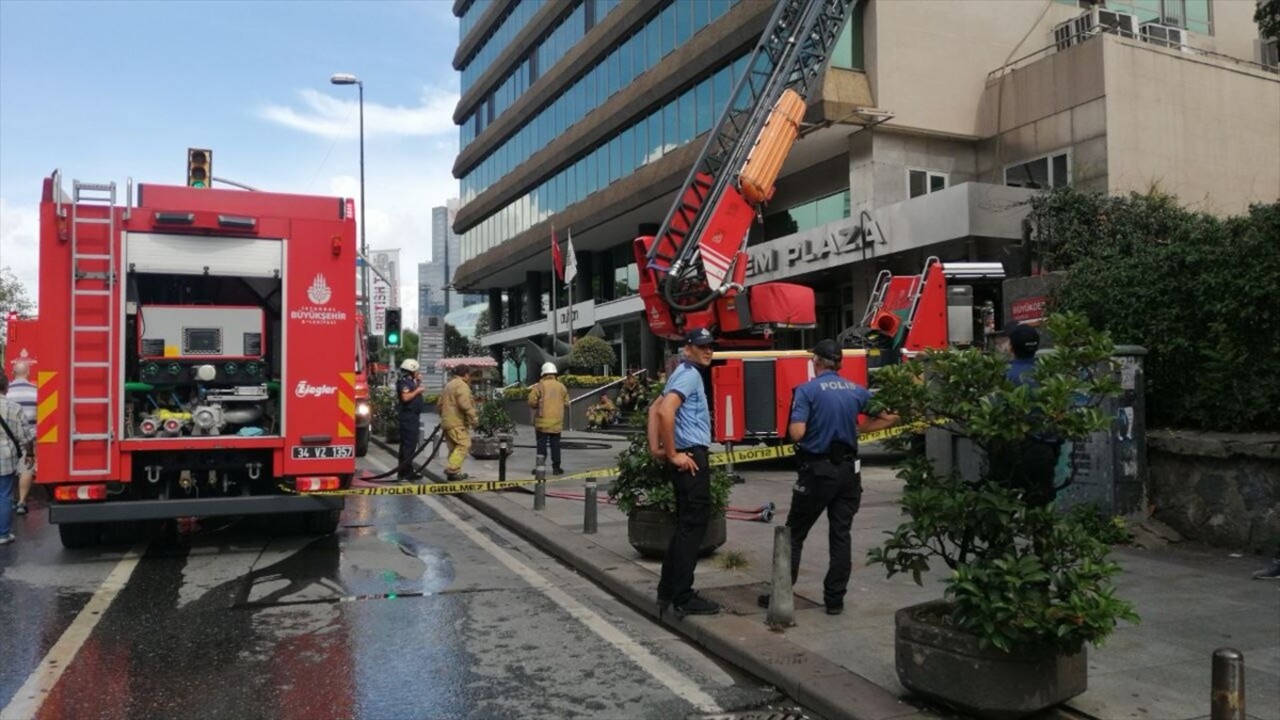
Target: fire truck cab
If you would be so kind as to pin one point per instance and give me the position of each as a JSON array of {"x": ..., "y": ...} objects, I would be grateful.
[{"x": 186, "y": 355}]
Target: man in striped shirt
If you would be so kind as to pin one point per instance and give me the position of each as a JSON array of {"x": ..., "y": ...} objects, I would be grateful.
[
  {"x": 23, "y": 392},
  {"x": 11, "y": 452}
]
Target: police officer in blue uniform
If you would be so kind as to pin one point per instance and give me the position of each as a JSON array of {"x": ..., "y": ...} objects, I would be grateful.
[
  {"x": 680, "y": 432},
  {"x": 1027, "y": 465},
  {"x": 824, "y": 426},
  {"x": 409, "y": 392}
]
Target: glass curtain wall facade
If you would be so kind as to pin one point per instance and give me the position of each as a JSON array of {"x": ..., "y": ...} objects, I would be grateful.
[{"x": 663, "y": 129}]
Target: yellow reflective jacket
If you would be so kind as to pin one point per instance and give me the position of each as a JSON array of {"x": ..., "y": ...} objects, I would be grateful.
[
  {"x": 457, "y": 409},
  {"x": 549, "y": 400}
]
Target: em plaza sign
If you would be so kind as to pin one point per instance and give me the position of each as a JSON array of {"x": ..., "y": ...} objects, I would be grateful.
[{"x": 816, "y": 248}]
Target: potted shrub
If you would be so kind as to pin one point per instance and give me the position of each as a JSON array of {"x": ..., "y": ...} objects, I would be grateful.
[
  {"x": 591, "y": 353},
  {"x": 493, "y": 425},
  {"x": 1030, "y": 587},
  {"x": 650, "y": 502}
]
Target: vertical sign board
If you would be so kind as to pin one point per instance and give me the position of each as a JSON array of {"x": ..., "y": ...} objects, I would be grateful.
[{"x": 385, "y": 294}]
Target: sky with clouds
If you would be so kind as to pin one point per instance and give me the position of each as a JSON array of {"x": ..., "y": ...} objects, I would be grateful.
[{"x": 111, "y": 90}]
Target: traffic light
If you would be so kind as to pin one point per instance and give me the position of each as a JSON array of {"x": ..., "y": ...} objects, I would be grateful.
[
  {"x": 199, "y": 167},
  {"x": 391, "y": 326}
]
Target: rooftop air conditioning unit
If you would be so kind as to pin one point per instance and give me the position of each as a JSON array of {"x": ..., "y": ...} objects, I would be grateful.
[
  {"x": 1267, "y": 52},
  {"x": 1163, "y": 35},
  {"x": 1096, "y": 20}
]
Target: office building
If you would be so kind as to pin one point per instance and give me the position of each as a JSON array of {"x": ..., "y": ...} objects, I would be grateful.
[
  {"x": 930, "y": 129},
  {"x": 436, "y": 295}
]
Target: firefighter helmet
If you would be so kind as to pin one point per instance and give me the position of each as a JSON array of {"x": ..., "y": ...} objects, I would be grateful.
[
  {"x": 549, "y": 368},
  {"x": 409, "y": 365}
]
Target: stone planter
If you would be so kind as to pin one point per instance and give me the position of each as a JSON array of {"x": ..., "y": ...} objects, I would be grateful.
[
  {"x": 650, "y": 531},
  {"x": 946, "y": 665},
  {"x": 486, "y": 448}
]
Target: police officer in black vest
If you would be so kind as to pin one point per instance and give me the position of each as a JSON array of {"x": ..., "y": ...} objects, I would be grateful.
[
  {"x": 824, "y": 426},
  {"x": 409, "y": 392}
]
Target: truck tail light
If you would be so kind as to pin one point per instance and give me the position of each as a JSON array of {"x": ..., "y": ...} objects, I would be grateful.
[
  {"x": 72, "y": 493},
  {"x": 317, "y": 484}
]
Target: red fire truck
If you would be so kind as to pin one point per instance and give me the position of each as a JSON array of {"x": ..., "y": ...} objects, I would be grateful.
[
  {"x": 186, "y": 363},
  {"x": 693, "y": 271}
]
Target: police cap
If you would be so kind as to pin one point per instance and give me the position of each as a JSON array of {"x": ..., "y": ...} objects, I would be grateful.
[{"x": 828, "y": 350}]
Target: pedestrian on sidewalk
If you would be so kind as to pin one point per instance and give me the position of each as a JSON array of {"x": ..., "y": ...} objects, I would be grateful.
[
  {"x": 457, "y": 417},
  {"x": 1027, "y": 465},
  {"x": 23, "y": 392},
  {"x": 682, "y": 421},
  {"x": 409, "y": 391},
  {"x": 549, "y": 400},
  {"x": 16, "y": 438},
  {"x": 824, "y": 426}
]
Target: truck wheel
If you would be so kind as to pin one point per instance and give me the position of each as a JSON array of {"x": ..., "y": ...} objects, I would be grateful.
[
  {"x": 362, "y": 441},
  {"x": 323, "y": 522},
  {"x": 79, "y": 535}
]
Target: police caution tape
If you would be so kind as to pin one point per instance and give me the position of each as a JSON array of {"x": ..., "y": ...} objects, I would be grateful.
[{"x": 735, "y": 457}]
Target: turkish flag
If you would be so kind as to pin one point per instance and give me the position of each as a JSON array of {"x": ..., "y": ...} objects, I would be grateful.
[{"x": 557, "y": 261}]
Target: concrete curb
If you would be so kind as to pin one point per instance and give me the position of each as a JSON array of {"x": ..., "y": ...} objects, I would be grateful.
[
  {"x": 744, "y": 641},
  {"x": 824, "y": 686}
]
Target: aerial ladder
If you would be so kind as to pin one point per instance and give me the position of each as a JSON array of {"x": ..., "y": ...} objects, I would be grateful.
[{"x": 693, "y": 272}]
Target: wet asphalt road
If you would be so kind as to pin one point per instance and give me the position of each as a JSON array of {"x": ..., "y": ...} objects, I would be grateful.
[{"x": 410, "y": 610}]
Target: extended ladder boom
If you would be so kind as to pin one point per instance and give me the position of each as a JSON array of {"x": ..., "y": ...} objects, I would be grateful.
[{"x": 791, "y": 53}]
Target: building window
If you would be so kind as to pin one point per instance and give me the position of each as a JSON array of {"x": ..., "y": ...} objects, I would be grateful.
[
  {"x": 1193, "y": 15},
  {"x": 1050, "y": 171},
  {"x": 807, "y": 216},
  {"x": 923, "y": 182}
]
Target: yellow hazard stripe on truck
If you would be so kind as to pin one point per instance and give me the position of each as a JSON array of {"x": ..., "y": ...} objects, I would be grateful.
[
  {"x": 737, "y": 457},
  {"x": 46, "y": 427},
  {"x": 347, "y": 405}
]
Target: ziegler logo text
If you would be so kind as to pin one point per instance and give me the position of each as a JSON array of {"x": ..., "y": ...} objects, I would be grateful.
[{"x": 306, "y": 389}]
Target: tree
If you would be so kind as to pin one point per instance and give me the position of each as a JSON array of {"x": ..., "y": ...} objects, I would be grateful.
[
  {"x": 1268, "y": 18},
  {"x": 13, "y": 294},
  {"x": 408, "y": 347},
  {"x": 483, "y": 323},
  {"x": 591, "y": 353},
  {"x": 455, "y": 344}
]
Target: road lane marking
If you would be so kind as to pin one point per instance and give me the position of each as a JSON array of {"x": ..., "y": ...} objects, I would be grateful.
[
  {"x": 27, "y": 701},
  {"x": 637, "y": 653},
  {"x": 681, "y": 686}
]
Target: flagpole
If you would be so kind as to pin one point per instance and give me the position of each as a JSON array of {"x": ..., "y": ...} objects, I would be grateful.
[
  {"x": 555, "y": 330},
  {"x": 571, "y": 257}
]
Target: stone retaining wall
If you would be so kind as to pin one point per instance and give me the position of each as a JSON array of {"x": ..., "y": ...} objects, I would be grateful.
[{"x": 1217, "y": 488}]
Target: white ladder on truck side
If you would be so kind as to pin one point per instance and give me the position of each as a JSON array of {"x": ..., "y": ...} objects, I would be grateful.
[{"x": 96, "y": 301}]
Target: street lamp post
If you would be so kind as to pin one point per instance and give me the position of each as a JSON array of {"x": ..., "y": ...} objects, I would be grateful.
[{"x": 349, "y": 79}]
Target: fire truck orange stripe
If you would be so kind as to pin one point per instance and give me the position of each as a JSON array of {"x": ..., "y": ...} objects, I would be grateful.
[
  {"x": 47, "y": 406},
  {"x": 349, "y": 378},
  {"x": 346, "y": 404},
  {"x": 344, "y": 431},
  {"x": 46, "y": 422}
]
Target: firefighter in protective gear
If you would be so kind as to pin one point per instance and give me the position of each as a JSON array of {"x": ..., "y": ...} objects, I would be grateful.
[
  {"x": 409, "y": 391},
  {"x": 457, "y": 417},
  {"x": 549, "y": 400}
]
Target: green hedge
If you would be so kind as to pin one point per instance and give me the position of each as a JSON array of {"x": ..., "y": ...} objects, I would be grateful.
[{"x": 1201, "y": 293}]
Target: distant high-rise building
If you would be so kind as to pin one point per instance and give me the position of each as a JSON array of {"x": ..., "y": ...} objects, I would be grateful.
[{"x": 435, "y": 295}]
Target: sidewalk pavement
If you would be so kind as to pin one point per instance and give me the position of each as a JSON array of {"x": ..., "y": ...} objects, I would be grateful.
[{"x": 1191, "y": 600}]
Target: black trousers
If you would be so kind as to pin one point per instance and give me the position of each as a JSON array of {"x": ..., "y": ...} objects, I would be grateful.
[
  {"x": 410, "y": 436},
  {"x": 693, "y": 511},
  {"x": 1027, "y": 466},
  {"x": 552, "y": 439},
  {"x": 838, "y": 491}
]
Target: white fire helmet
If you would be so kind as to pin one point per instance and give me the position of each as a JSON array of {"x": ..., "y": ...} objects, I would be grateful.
[
  {"x": 549, "y": 368},
  {"x": 409, "y": 365}
]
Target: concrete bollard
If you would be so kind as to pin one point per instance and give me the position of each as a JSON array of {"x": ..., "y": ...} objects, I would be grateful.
[
  {"x": 540, "y": 487},
  {"x": 589, "y": 509},
  {"x": 782, "y": 601},
  {"x": 1226, "y": 695}
]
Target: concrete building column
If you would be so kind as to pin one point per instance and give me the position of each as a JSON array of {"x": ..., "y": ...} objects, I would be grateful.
[
  {"x": 515, "y": 306},
  {"x": 533, "y": 297},
  {"x": 650, "y": 350},
  {"x": 604, "y": 268},
  {"x": 586, "y": 271},
  {"x": 496, "y": 319}
]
